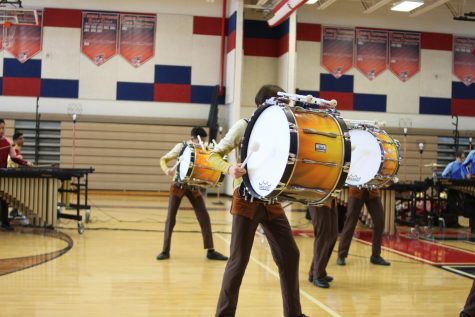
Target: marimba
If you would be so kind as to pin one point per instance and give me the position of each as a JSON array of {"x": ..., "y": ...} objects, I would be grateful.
[{"x": 37, "y": 193}]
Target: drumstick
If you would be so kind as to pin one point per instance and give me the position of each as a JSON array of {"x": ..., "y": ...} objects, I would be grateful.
[
  {"x": 177, "y": 162},
  {"x": 5, "y": 147},
  {"x": 254, "y": 148},
  {"x": 201, "y": 143}
]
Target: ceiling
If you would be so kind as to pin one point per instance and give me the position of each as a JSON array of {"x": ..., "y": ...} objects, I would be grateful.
[{"x": 463, "y": 10}]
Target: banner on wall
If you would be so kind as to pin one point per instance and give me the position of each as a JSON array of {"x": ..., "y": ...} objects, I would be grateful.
[
  {"x": 464, "y": 59},
  {"x": 99, "y": 36},
  {"x": 371, "y": 52},
  {"x": 337, "y": 49},
  {"x": 23, "y": 41},
  {"x": 404, "y": 54},
  {"x": 137, "y": 38}
]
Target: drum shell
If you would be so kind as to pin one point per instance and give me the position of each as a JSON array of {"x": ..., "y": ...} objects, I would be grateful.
[{"x": 326, "y": 151}]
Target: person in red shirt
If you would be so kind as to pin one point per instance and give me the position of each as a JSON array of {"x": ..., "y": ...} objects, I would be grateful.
[
  {"x": 18, "y": 141},
  {"x": 6, "y": 149}
]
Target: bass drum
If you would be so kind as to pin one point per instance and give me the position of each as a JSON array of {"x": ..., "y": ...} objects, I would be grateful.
[
  {"x": 375, "y": 158},
  {"x": 296, "y": 154},
  {"x": 194, "y": 169}
]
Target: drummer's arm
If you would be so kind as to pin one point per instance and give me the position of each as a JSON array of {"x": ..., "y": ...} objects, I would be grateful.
[
  {"x": 225, "y": 146},
  {"x": 172, "y": 155},
  {"x": 18, "y": 158},
  {"x": 469, "y": 158}
]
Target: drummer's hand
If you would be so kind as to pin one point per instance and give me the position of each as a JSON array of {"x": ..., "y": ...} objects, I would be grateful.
[
  {"x": 29, "y": 164},
  {"x": 236, "y": 171},
  {"x": 170, "y": 171}
]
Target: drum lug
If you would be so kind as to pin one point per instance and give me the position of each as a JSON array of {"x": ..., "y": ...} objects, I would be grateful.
[
  {"x": 346, "y": 136},
  {"x": 291, "y": 159},
  {"x": 346, "y": 167}
]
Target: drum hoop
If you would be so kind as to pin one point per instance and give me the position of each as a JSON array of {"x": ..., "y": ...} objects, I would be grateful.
[
  {"x": 289, "y": 169},
  {"x": 192, "y": 160},
  {"x": 346, "y": 150}
]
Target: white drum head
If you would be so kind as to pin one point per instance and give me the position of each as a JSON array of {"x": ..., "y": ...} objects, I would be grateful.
[
  {"x": 365, "y": 157},
  {"x": 185, "y": 160},
  {"x": 266, "y": 166}
]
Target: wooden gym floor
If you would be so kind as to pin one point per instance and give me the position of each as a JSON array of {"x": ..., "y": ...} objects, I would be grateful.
[{"x": 111, "y": 269}]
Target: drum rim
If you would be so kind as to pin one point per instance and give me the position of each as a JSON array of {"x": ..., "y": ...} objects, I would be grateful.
[
  {"x": 294, "y": 146},
  {"x": 192, "y": 160}
]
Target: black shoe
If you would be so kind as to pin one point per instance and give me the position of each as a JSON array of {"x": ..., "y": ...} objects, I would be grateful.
[
  {"x": 341, "y": 261},
  {"x": 215, "y": 255},
  {"x": 379, "y": 261},
  {"x": 463, "y": 314},
  {"x": 163, "y": 256},
  {"x": 302, "y": 315},
  {"x": 328, "y": 278},
  {"x": 322, "y": 283}
]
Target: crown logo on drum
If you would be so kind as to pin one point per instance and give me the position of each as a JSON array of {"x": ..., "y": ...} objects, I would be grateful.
[{"x": 264, "y": 185}]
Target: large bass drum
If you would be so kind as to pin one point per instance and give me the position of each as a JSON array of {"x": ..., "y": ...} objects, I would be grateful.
[
  {"x": 194, "y": 169},
  {"x": 302, "y": 154},
  {"x": 375, "y": 158}
]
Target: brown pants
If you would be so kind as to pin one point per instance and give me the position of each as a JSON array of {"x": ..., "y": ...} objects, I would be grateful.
[
  {"x": 196, "y": 200},
  {"x": 375, "y": 209},
  {"x": 469, "y": 308},
  {"x": 284, "y": 251},
  {"x": 4, "y": 212},
  {"x": 325, "y": 229}
]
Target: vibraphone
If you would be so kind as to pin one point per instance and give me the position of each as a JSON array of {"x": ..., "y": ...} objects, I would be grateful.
[
  {"x": 388, "y": 199},
  {"x": 40, "y": 192}
]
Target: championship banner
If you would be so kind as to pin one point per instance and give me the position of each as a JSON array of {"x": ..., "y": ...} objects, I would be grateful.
[
  {"x": 337, "y": 49},
  {"x": 23, "y": 41},
  {"x": 404, "y": 54},
  {"x": 99, "y": 36},
  {"x": 371, "y": 52},
  {"x": 464, "y": 59},
  {"x": 137, "y": 38}
]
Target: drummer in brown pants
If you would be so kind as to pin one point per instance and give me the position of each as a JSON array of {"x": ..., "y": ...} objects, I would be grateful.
[
  {"x": 247, "y": 215},
  {"x": 372, "y": 199},
  {"x": 177, "y": 192},
  {"x": 469, "y": 309},
  {"x": 325, "y": 230}
]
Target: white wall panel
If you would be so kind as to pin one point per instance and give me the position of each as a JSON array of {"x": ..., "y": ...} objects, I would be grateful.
[{"x": 61, "y": 52}]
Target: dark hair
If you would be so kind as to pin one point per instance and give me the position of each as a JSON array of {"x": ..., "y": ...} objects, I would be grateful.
[
  {"x": 459, "y": 153},
  {"x": 17, "y": 135},
  {"x": 198, "y": 131},
  {"x": 266, "y": 92},
  {"x": 2, "y": 121}
]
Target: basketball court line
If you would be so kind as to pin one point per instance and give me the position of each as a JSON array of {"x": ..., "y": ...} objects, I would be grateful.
[
  {"x": 312, "y": 299},
  {"x": 460, "y": 272}
]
